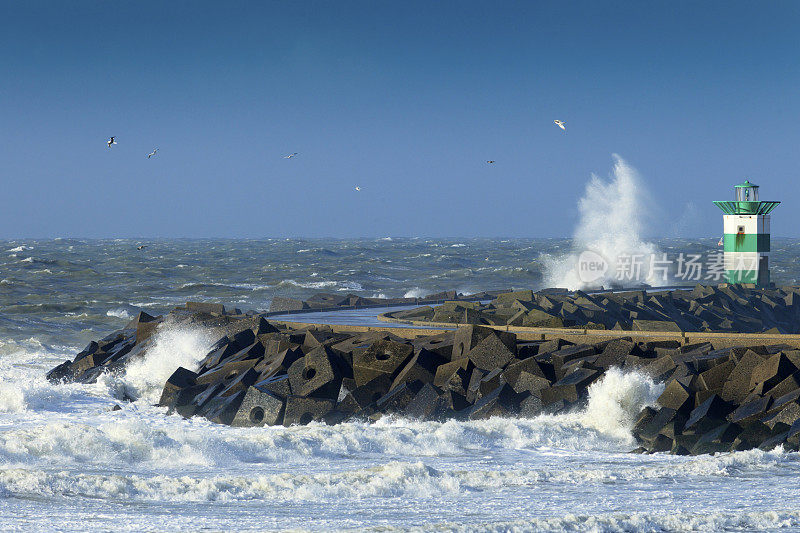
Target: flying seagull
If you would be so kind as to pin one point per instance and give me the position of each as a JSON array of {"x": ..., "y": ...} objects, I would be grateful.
[
  {"x": 290, "y": 155},
  {"x": 111, "y": 141},
  {"x": 490, "y": 161},
  {"x": 358, "y": 188},
  {"x": 141, "y": 247},
  {"x": 151, "y": 154},
  {"x": 560, "y": 124}
]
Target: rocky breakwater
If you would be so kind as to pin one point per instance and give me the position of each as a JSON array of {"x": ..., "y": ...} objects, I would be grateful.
[
  {"x": 723, "y": 400},
  {"x": 721, "y": 308},
  {"x": 264, "y": 373},
  {"x": 331, "y": 301}
]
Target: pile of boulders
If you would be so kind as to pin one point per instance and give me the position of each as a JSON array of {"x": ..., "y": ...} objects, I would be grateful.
[
  {"x": 332, "y": 301},
  {"x": 264, "y": 373},
  {"x": 723, "y": 308},
  {"x": 723, "y": 400}
]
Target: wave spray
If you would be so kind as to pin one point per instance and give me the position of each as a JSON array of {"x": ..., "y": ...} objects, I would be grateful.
[{"x": 612, "y": 219}]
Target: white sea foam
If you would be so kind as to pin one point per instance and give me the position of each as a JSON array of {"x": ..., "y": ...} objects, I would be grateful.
[
  {"x": 350, "y": 286},
  {"x": 612, "y": 219},
  {"x": 308, "y": 285},
  {"x": 119, "y": 313},
  {"x": 627, "y": 522},
  {"x": 21, "y": 248}
]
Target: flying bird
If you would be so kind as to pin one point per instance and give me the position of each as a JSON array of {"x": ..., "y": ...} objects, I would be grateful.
[
  {"x": 141, "y": 247},
  {"x": 358, "y": 188},
  {"x": 290, "y": 155},
  {"x": 111, "y": 141},
  {"x": 151, "y": 154},
  {"x": 560, "y": 124},
  {"x": 490, "y": 162}
]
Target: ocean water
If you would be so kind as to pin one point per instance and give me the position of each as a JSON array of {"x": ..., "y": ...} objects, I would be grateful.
[{"x": 67, "y": 462}]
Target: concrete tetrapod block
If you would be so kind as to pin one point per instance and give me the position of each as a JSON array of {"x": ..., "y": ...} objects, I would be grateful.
[
  {"x": 221, "y": 410},
  {"x": 571, "y": 387},
  {"x": 513, "y": 371},
  {"x": 647, "y": 428},
  {"x": 241, "y": 382},
  {"x": 185, "y": 403},
  {"x": 278, "y": 363},
  {"x": 615, "y": 352},
  {"x": 253, "y": 351},
  {"x": 397, "y": 399},
  {"x": 530, "y": 383},
  {"x": 718, "y": 439},
  {"x": 180, "y": 379},
  {"x": 708, "y": 415},
  {"x": 286, "y": 304},
  {"x": 454, "y": 375},
  {"x": 570, "y": 353},
  {"x": 258, "y": 408},
  {"x": 787, "y": 386},
  {"x": 275, "y": 385},
  {"x": 772, "y": 371},
  {"x": 737, "y": 387},
  {"x": 422, "y": 366},
  {"x": 304, "y": 410},
  {"x": 473, "y": 388},
  {"x": 492, "y": 351},
  {"x": 715, "y": 377},
  {"x": 788, "y": 414},
  {"x": 531, "y": 406},
  {"x": 499, "y": 402},
  {"x": 676, "y": 396},
  {"x": 366, "y": 395},
  {"x": 661, "y": 368},
  {"x": 423, "y": 405},
  {"x": 382, "y": 357},
  {"x": 225, "y": 372},
  {"x": 751, "y": 410},
  {"x": 145, "y": 325},
  {"x": 468, "y": 337},
  {"x": 314, "y": 374},
  {"x": 441, "y": 344}
]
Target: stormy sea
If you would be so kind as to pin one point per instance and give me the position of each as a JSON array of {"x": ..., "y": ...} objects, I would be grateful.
[{"x": 68, "y": 462}]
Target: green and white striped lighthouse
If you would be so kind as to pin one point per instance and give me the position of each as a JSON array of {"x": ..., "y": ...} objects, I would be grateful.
[{"x": 746, "y": 238}]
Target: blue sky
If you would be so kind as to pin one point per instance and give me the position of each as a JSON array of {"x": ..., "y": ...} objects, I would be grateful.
[{"x": 406, "y": 99}]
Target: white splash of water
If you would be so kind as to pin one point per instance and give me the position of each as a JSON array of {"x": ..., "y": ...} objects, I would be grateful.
[
  {"x": 616, "y": 400},
  {"x": 172, "y": 347},
  {"x": 416, "y": 292},
  {"x": 12, "y": 398},
  {"x": 612, "y": 218}
]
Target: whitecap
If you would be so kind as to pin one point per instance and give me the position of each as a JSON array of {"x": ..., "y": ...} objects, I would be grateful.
[{"x": 119, "y": 313}]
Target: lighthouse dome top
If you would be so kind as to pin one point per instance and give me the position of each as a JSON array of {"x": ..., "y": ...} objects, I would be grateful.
[{"x": 746, "y": 201}]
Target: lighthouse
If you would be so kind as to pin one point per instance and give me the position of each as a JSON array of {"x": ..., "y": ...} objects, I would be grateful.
[{"x": 746, "y": 235}]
